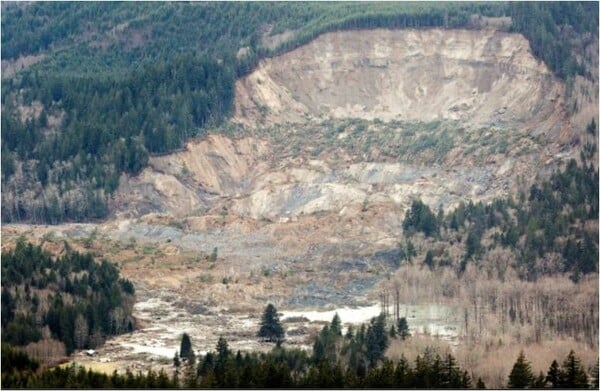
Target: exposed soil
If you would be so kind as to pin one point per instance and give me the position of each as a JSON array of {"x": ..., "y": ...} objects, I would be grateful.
[
  {"x": 304, "y": 207},
  {"x": 452, "y": 115},
  {"x": 482, "y": 76}
]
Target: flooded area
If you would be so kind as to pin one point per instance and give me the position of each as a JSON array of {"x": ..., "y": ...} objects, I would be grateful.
[
  {"x": 430, "y": 319},
  {"x": 179, "y": 290},
  {"x": 163, "y": 321}
]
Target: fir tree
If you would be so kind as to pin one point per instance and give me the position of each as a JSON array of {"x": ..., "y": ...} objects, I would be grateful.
[
  {"x": 573, "y": 375},
  {"x": 403, "y": 330},
  {"x": 392, "y": 332},
  {"x": 271, "y": 329},
  {"x": 540, "y": 381},
  {"x": 350, "y": 332},
  {"x": 480, "y": 384},
  {"x": 520, "y": 375},
  {"x": 185, "y": 349},
  {"x": 403, "y": 373},
  {"x": 176, "y": 361},
  {"x": 377, "y": 339},
  {"x": 336, "y": 325},
  {"x": 554, "y": 375}
]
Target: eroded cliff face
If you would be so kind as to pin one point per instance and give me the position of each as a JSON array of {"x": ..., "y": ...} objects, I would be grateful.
[
  {"x": 444, "y": 115},
  {"x": 478, "y": 77}
]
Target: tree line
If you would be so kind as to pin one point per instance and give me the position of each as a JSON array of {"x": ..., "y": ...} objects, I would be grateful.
[
  {"x": 569, "y": 375},
  {"x": 355, "y": 359},
  {"x": 21, "y": 371},
  {"x": 107, "y": 102},
  {"x": 72, "y": 299},
  {"x": 109, "y": 126},
  {"x": 295, "y": 368},
  {"x": 549, "y": 220}
]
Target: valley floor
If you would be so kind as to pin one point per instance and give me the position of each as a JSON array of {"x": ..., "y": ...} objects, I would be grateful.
[{"x": 182, "y": 286}]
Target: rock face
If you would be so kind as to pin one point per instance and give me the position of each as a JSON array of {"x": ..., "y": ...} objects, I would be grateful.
[
  {"x": 504, "y": 109},
  {"x": 475, "y": 76}
]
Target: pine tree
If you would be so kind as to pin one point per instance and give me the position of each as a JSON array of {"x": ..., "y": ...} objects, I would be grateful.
[
  {"x": 403, "y": 330},
  {"x": 186, "y": 351},
  {"x": 465, "y": 380},
  {"x": 520, "y": 375},
  {"x": 271, "y": 329},
  {"x": 350, "y": 332},
  {"x": 393, "y": 332},
  {"x": 176, "y": 361},
  {"x": 221, "y": 365},
  {"x": 449, "y": 373},
  {"x": 573, "y": 374},
  {"x": 403, "y": 373},
  {"x": 190, "y": 376},
  {"x": 540, "y": 381},
  {"x": 377, "y": 339},
  {"x": 336, "y": 325},
  {"x": 429, "y": 260},
  {"x": 480, "y": 384},
  {"x": 595, "y": 375},
  {"x": 222, "y": 349},
  {"x": 554, "y": 375}
]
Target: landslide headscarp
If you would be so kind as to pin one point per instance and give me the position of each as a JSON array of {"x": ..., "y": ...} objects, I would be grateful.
[
  {"x": 373, "y": 117},
  {"x": 478, "y": 77}
]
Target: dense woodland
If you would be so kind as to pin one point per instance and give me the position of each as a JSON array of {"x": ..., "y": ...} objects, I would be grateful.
[
  {"x": 556, "y": 220},
  {"x": 54, "y": 305},
  {"x": 506, "y": 263},
  {"x": 117, "y": 82}
]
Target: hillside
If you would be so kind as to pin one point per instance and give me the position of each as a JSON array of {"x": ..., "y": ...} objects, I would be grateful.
[
  {"x": 122, "y": 81},
  {"x": 437, "y": 161},
  {"x": 387, "y": 120}
]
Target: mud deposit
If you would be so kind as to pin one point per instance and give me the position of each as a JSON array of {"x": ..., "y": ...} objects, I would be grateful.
[{"x": 163, "y": 321}]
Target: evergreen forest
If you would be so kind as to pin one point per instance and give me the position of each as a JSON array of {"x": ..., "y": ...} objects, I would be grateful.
[
  {"x": 54, "y": 305},
  {"x": 114, "y": 83},
  {"x": 550, "y": 220}
]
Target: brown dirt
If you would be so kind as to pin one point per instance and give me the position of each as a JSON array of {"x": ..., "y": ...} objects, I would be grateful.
[
  {"x": 475, "y": 76},
  {"x": 298, "y": 215}
]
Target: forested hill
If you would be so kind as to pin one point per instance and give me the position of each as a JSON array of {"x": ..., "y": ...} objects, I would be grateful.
[
  {"x": 89, "y": 90},
  {"x": 54, "y": 305}
]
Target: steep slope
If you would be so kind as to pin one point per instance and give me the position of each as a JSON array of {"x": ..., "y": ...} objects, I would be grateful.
[
  {"x": 478, "y": 77},
  {"x": 374, "y": 118}
]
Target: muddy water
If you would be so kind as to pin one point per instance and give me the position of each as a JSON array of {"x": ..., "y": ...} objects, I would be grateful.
[
  {"x": 432, "y": 319},
  {"x": 155, "y": 343}
]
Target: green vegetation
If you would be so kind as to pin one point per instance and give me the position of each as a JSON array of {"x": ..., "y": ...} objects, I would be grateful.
[
  {"x": 20, "y": 371},
  {"x": 78, "y": 166},
  {"x": 185, "y": 349},
  {"x": 520, "y": 376},
  {"x": 271, "y": 329},
  {"x": 543, "y": 24},
  {"x": 570, "y": 376},
  {"x": 116, "y": 82},
  {"x": 427, "y": 143},
  {"x": 420, "y": 218},
  {"x": 336, "y": 362},
  {"x": 72, "y": 299},
  {"x": 550, "y": 221},
  {"x": 344, "y": 365},
  {"x": 403, "y": 330}
]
